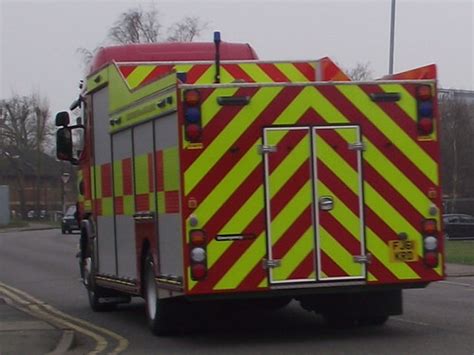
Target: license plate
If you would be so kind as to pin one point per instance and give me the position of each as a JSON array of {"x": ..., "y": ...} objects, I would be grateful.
[{"x": 403, "y": 250}]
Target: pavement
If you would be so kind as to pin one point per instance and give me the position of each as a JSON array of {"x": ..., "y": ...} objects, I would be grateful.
[
  {"x": 31, "y": 226},
  {"x": 24, "y": 332}
]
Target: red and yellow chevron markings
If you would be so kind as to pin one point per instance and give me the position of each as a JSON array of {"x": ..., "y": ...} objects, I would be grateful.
[
  {"x": 340, "y": 233},
  {"x": 139, "y": 75},
  {"x": 230, "y": 189}
]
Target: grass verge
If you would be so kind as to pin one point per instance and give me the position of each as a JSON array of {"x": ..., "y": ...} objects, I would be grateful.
[{"x": 460, "y": 252}]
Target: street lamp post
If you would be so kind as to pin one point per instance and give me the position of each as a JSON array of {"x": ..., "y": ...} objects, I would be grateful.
[{"x": 392, "y": 38}]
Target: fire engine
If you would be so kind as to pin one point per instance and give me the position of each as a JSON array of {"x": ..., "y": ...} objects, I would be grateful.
[{"x": 205, "y": 174}]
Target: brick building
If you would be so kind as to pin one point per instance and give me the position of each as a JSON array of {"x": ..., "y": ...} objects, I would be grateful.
[{"x": 38, "y": 180}]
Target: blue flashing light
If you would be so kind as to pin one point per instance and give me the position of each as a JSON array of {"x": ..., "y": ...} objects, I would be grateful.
[
  {"x": 425, "y": 109},
  {"x": 193, "y": 115},
  {"x": 217, "y": 36}
]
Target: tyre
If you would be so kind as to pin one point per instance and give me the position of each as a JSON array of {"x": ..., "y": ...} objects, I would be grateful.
[
  {"x": 157, "y": 311},
  {"x": 95, "y": 294},
  {"x": 63, "y": 230}
]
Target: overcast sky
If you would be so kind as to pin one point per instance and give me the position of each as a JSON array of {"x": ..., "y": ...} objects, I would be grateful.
[{"x": 39, "y": 39}]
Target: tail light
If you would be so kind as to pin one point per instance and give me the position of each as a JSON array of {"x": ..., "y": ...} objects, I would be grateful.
[
  {"x": 192, "y": 116},
  {"x": 430, "y": 242},
  {"x": 198, "y": 254},
  {"x": 425, "y": 110}
]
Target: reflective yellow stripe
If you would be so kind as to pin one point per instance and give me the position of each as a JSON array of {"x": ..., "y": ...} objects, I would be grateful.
[
  {"x": 397, "y": 179},
  {"x": 295, "y": 256},
  {"x": 139, "y": 74},
  {"x": 107, "y": 206},
  {"x": 208, "y": 76},
  {"x": 256, "y": 252},
  {"x": 252, "y": 206},
  {"x": 338, "y": 254},
  {"x": 141, "y": 175},
  {"x": 209, "y": 110},
  {"x": 171, "y": 169},
  {"x": 300, "y": 201},
  {"x": 395, "y": 221},
  {"x": 236, "y": 274},
  {"x": 372, "y": 198},
  {"x": 397, "y": 135},
  {"x": 379, "y": 249},
  {"x": 128, "y": 205},
  {"x": 221, "y": 144},
  {"x": 151, "y": 199},
  {"x": 407, "y": 102},
  {"x": 373, "y": 156},
  {"x": 161, "y": 201},
  {"x": 242, "y": 218},
  {"x": 291, "y": 72},
  {"x": 257, "y": 74},
  {"x": 341, "y": 212}
]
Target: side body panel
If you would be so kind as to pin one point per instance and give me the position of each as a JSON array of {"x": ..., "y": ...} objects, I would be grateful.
[
  {"x": 136, "y": 179},
  {"x": 168, "y": 192},
  {"x": 102, "y": 185}
]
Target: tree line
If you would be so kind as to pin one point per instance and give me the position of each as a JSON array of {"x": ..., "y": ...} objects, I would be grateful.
[{"x": 26, "y": 127}]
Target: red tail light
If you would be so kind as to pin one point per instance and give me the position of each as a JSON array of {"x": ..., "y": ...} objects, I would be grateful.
[
  {"x": 425, "y": 108},
  {"x": 430, "y": 242},
  {"x": 431, "y": 259},
  {"x": 423, "y": 92},
  {"x": 425, "y": 126},
  {"x": 429, "y": 226},
  {"x": 198, "y": 271},
  {"x": 192, "y": 116},
  {"x": 197, "y": 238},
  {"x": 191, "y": 97},
  {"x": 198, "y": 254}
]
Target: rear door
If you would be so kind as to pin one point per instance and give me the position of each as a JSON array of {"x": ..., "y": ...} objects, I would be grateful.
[
  {"x": 289, "y": 204},
  {"x": 337, "y": 154},
  {"x": 314, "y": 203}
]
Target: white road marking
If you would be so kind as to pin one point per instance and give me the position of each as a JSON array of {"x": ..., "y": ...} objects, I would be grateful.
[
  {"x": 409, "y": 321},
  {"x": 52, "y": 314},
  {"x": 457, "y": 283}
]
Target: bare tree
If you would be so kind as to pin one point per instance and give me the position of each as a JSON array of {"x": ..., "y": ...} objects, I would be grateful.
[
  {"x": 139, "y": 25},
  {"x": 360, "y": 72},
  {"x": 86, "y": 55},
  {"x": 136, "y": 26},
  {"x": 24, "y": 134},
  {"x": 186, "y": 30},
  {"x": 457, "y": 149}
]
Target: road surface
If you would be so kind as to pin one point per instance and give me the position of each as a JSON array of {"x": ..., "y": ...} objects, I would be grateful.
[{"x": 437, "y": 320}]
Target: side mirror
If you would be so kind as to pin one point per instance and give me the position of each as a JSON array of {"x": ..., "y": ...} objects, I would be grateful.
[
  {"x": 64, "y": 143},
  {"x": 62, "y": 119}
]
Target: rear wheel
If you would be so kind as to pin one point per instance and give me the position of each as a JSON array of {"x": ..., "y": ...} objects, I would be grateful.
[{"x": 156, "y": 309}]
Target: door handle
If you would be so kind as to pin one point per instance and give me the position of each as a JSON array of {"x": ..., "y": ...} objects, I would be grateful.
[{"x": 326, "y": 203}]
